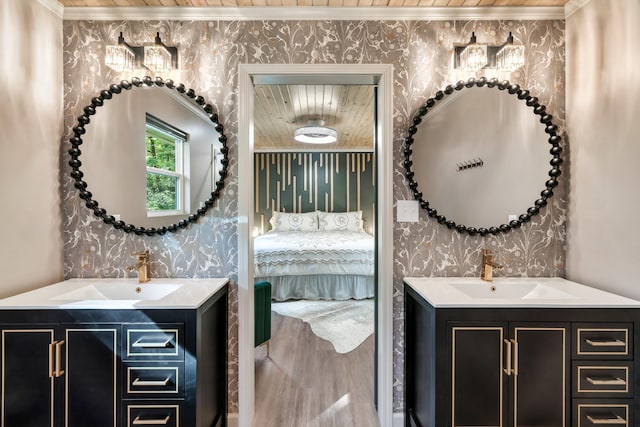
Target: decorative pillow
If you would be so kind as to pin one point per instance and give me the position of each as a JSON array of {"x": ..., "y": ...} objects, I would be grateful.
[
  {"x": 344, "y": 221},
  {"x": 283, "y": 221}
]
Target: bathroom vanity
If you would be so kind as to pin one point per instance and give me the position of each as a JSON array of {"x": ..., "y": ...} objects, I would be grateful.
[
  {"x": 519, "y": 352},
  {"x": 103, "y": 352}
]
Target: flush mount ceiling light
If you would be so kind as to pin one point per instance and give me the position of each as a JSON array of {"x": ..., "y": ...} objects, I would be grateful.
[
  {"x": 157, "y": 57},
  {"x": 474, "y": 56},
  {"x": 315, "y": 133}
]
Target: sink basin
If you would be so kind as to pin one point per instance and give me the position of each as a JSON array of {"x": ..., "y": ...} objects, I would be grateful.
[
  {"x": 120, "y": 294},
  {"x": 120, "y": 291},
  {"x": 511, "y": 290}
]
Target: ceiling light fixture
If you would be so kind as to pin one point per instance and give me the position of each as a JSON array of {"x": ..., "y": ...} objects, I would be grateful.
[
  {"x": 315, "y": 133},
  {"x": 475, "y": 56},
  {"x": 157, "y": 57}
]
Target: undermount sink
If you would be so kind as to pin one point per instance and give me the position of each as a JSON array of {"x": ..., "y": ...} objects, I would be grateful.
[
  {"x": 511, "y": 290},
  {"x": 120, "y": 291}
]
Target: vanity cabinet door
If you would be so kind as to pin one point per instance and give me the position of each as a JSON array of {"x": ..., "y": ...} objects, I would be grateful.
[
  {"x": 91, "y": 373},
  {"x": 477, "y": 375},
  {"x": 27, "y": 375},
  {"x": 540, "y": 371}
]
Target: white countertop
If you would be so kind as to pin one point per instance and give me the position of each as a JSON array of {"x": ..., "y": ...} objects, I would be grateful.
[
  {"x": 514, "y": 292},
  {"x": 91, "y": 294}
]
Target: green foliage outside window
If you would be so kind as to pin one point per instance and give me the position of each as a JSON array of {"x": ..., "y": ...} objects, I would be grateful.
[{"x": 162, "y": 190}]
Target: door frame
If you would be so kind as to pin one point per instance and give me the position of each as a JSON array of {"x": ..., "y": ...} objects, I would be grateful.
[{"x": 383, "y": 73}]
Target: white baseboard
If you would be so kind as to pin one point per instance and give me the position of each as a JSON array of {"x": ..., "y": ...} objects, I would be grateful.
[
  {"x": 398, "y": 419},
  {"x": 232, "y": 420}
]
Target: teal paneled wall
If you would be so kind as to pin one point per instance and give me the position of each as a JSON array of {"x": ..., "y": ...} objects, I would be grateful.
[{"x": 309, "y": 181}]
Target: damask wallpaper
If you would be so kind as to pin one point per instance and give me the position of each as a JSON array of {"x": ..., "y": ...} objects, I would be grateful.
[{"x": 210, "y": 52}]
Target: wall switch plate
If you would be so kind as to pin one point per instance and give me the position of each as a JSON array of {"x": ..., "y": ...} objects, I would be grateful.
[{"x": 407, "y": 211}]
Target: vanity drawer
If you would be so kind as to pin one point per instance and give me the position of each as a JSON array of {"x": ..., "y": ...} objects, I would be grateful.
[
  {"x": 603, "y": 379},
  {"x": 154, "y": 341},
  {"x": 153, "y": 415},
  {"x": 603, "y": 340},
  {"x": 602, "y": 413},
  {"x": 154, "y": 381}
]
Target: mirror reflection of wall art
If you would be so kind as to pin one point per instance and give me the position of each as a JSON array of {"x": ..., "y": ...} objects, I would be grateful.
[
  {"x": 474, "y": 156},
  {"x": 154, "y": 154}
]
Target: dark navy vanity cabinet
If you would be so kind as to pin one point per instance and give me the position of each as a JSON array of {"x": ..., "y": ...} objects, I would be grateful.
[
  {"x": 519, "y": 367},
  {"x": 120, "y": 367}
]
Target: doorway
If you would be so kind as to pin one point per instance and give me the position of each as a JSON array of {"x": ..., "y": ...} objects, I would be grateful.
[{"x": 381, "y": 76}]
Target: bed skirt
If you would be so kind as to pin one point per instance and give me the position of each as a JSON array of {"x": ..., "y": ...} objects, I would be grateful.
[{"x": 320, "y": 287}]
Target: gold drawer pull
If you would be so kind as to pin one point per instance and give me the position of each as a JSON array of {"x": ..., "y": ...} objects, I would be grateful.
[
  {"x": 605, "y": 343},
  {"x": 507, "y": 370},
  {"x": 151, "y": 422},
  {"x": 143, "y": 343},
  {"x": 617, "y": 420},
  {"x": 606, "y": 381},
  {"x": 58, "y": 365},
  {"x": 151, "y": 383}
]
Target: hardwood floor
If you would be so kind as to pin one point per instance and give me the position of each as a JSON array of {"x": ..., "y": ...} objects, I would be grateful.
[{"x": 305, "y": 382}]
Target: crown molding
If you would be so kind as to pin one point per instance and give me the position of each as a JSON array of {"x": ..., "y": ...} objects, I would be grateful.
[
  {"x": 53, "y": 6},
  {"x": 283, "y": 13},
  {"x": 572, "y": 6}
]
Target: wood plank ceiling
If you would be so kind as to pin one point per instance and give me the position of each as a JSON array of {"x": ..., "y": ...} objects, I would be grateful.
[
  {"x": 334, "y": 3},
  {"x": 280, "y": 109}
]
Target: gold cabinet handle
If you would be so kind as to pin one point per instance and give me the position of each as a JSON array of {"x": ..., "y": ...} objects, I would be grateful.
[
  {"x": 616, "y": 419},
  {"x": 151, "y": 383},
  {"x": 514, "y": 370},
  {"x": 52, "y": 356},
  {"x": 151, "y": 422},
  {"x": 605, "y": 343},
  {"x": 508, "y": 370},
  {"x": 58, "y": 372},
  {"x": 606, "y": 381}
]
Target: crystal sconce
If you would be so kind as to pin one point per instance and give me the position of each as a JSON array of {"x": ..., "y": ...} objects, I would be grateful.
[
  {"x": 474, "y": 56},
  {"x": 157, "y": 57}
]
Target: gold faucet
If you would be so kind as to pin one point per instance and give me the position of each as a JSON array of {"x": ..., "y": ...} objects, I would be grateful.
[
  {"x": 142, "y": 265},
  {"x": 488, "y": 265}
]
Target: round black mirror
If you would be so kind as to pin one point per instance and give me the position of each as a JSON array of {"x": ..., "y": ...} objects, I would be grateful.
[
  {"x": 153, "y": 152},
  {"x": 474, "y": 155}
]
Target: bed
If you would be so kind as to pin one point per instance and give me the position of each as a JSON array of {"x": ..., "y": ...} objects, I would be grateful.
[{"x": 326, "y": 258}]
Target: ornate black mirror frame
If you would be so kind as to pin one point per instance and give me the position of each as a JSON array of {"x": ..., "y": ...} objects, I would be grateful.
[
  {"x": 538, "y": 109},
  {"x": 76, "y": 142}
]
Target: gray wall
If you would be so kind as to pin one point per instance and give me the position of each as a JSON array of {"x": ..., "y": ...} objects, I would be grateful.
[
  {"x": 210, "y": 53},
  {"x": 31, "y": 123},
  {"x": 603, "y": 106}
]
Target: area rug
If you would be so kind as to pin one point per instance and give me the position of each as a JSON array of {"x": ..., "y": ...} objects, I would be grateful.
[{"x": 346, "y": 324}]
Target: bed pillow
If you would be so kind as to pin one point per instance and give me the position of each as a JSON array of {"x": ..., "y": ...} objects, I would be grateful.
[
  {"x": 283, "y": 221},
  {"x": 343, "y": 221}
]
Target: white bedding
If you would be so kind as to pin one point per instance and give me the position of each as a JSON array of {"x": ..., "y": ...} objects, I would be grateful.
[
  {"x": 295, "y": 253},
  {"x": 334, "y": 265}
]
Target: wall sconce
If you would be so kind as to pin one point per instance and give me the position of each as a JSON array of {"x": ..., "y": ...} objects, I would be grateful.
[
  {"x": 474, "y": 56},
  {"x": 157, "y": 57}
]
